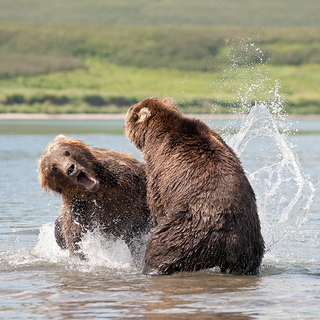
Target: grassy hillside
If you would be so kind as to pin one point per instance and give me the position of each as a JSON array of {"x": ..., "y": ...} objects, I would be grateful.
[
  {"x": 249, "y": 13},
  {"x": 104, "y": 87},
  {"x": 67, "y": 68},
  {"x": 100, "y": 56},
  {"x": 32, "y": 48}
]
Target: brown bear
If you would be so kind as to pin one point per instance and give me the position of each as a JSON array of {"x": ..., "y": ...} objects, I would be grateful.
[
  {"x": 201, "y": 201},
  {"x": 99, "y": 188}
]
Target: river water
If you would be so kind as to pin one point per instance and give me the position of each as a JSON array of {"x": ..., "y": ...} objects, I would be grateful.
[{"x": 40, "y": 281}]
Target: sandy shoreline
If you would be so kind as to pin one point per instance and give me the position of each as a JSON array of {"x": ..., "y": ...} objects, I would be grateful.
[{"x": 91, "y": 116}]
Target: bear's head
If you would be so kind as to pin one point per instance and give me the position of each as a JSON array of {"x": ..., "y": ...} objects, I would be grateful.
[
  {"x": 150, "y": 116},
  {"x": 66, "y": 166}
]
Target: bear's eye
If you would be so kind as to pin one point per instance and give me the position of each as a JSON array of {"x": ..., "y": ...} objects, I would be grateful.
[
  {"x": 54, "y": 168},
  {"x": 67, "y": 153}
]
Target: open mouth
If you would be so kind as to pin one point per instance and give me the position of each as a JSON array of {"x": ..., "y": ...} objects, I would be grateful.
[{"x": 86, "y": 181}]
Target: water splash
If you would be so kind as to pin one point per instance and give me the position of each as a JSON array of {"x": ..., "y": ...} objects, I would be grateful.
[
  {"x": 104, "y": 254},
  {"x": 284, "y": 192},
  {"x": 104, "y": 251}
]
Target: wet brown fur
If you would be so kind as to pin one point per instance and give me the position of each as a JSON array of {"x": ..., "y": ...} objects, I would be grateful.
[
  {"x": 112, "y": 198},
  {"x": 199, "y": 197}
]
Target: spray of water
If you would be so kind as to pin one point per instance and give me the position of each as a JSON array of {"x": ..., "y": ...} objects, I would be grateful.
[
  {"x": 103, "y": 253},
  {"x": 284, "y": 193}
]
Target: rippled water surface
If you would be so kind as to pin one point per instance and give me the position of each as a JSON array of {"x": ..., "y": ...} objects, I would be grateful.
[{"x": 38, "y": 280}]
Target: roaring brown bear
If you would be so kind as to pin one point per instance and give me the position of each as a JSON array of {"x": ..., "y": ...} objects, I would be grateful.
[
  {"x": 99, "y": 188},
  {"x": 198, "y": 194}
]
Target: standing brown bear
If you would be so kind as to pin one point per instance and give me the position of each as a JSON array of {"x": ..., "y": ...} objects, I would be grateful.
[
  {"x": 99, "y": 188},
  {"x": 198, "y": 194}
]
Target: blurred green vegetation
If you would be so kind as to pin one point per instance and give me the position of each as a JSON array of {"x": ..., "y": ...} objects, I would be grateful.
[
  {"x": 69, "y": 68},
  {"x": 102, "y": 87},
  {"x": 32, "y": 48}
]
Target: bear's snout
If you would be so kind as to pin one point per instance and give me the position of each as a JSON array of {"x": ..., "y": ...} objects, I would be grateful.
[
  {"x": 80, "y": 176},
  {"x": 71, "y": 169}
]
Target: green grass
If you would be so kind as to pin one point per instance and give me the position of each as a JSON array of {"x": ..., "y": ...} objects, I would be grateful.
[
  {"x": 33, "y": 48},
  {"x": 105, "y": 87},
  {"x": 55, "y": 68},
  {"x": 252, "y": 13}
]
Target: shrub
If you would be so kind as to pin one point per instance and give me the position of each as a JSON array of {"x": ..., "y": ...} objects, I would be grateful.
[
  {"x": 94, "y": 100},
  {"x": 14, "y": 99}
]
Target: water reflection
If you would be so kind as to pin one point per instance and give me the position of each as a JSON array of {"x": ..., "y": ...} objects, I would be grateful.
[
  {"x": 174, "y": 297},
  {"x": 179, "y": 294}
]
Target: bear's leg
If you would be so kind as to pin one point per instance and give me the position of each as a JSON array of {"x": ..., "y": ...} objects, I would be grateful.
[
  {"x": 187, "y": 242},
  {"x": 241, "y": 257},
  {"x": 72, "y": 232},
  {"x": 58, "y": 233},
  {"x": 177, "y": 245}
]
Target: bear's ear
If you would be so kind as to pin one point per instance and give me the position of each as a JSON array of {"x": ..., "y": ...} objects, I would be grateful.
[
  {"x": 60, "y": 137},
  {"x": 169, "y": 100},
  {"x": 144, "y": 114}
]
